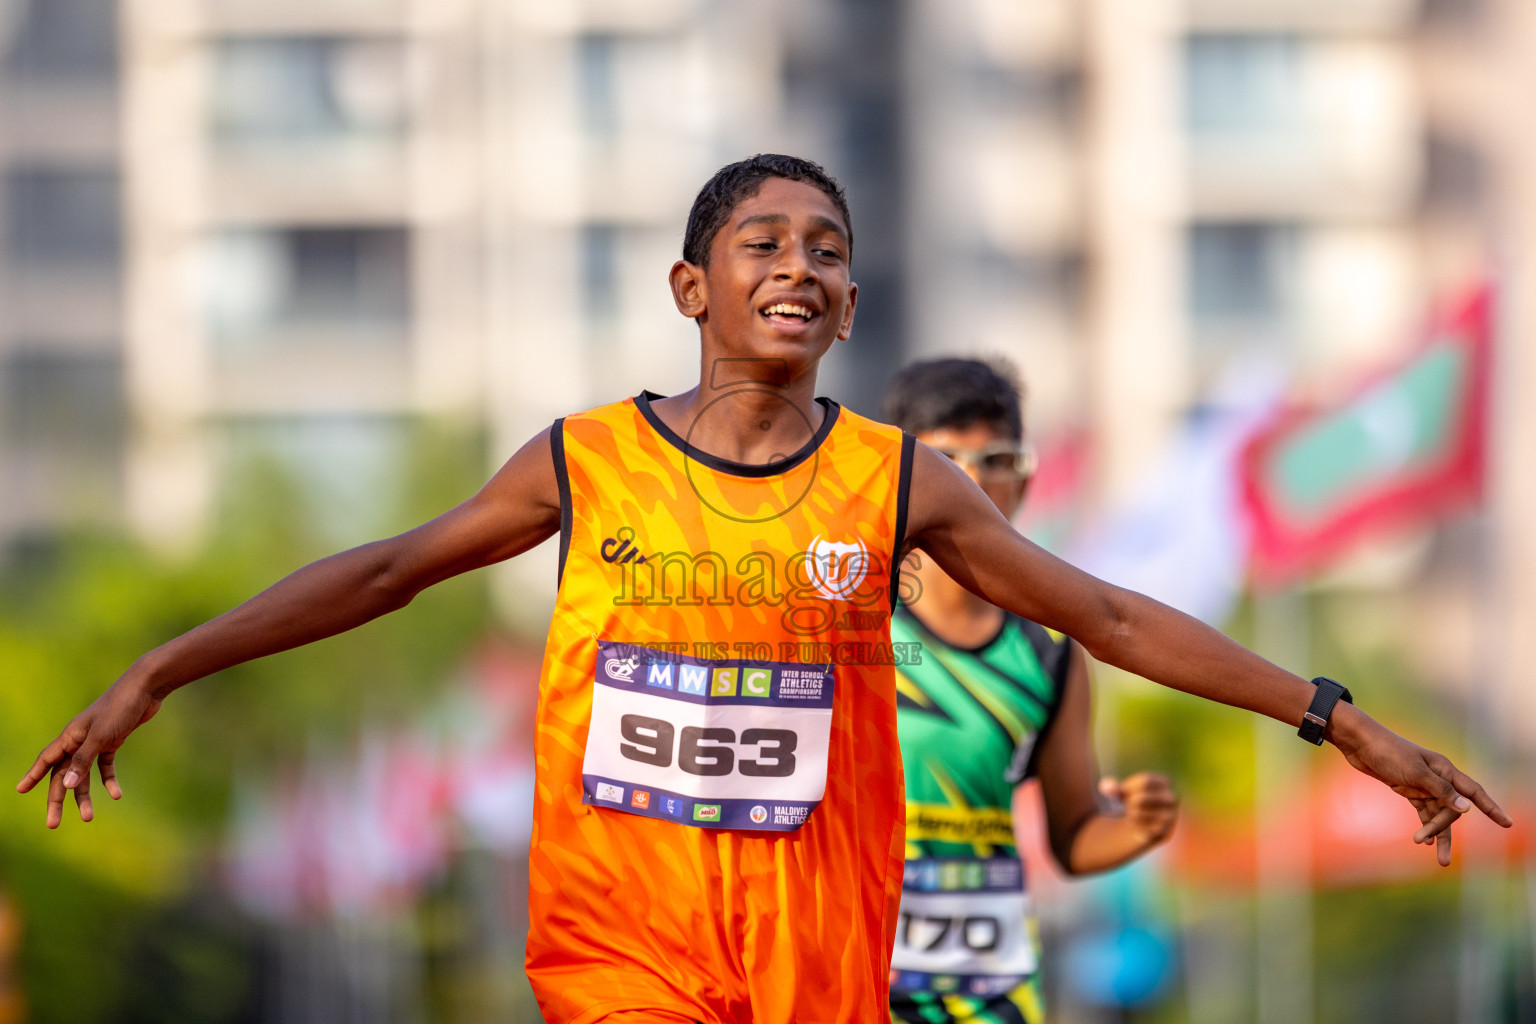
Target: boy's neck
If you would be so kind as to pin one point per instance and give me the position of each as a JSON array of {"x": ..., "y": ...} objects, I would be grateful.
[
  {"x": 948, "y": 610},
  {"x": 746, "y": 410}
]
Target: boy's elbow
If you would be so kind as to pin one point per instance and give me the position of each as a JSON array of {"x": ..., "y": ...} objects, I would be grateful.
[
  {"x": 389, "y": 582},
  {"x": 1115, "y": 626},
  {"x": 1061, "y": 851},
  {"x": 1064, "y": 863}
]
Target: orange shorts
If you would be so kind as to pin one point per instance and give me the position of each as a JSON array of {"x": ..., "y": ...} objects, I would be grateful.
[{"x": 645, "y": 1017}]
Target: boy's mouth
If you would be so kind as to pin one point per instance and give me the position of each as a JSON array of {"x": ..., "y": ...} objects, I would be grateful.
[{"x": 789, "y": 313}]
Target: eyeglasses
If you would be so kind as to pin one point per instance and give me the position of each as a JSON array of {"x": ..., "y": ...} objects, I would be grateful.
[{"x": 995, "y": 461}]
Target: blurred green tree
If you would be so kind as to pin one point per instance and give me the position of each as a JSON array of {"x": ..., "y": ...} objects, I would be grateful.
[{"x": 106, "y": 932}]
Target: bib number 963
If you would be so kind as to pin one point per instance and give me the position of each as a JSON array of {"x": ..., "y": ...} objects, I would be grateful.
[{"x": 708, "y": 751}]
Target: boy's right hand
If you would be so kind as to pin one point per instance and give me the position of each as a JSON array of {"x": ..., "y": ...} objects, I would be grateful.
[
  {"x": 1150, "y": 805},
  {"x": 94, "y": 735}
]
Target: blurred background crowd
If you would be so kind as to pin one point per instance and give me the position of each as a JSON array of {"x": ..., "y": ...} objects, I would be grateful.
[{"x": 283, "y": 276}]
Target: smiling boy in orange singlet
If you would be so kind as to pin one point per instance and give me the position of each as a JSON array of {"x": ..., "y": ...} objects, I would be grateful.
[{"x": 718, "y": 824}]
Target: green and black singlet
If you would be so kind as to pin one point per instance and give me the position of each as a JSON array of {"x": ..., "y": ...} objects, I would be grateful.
[{"x": 969, "y": 721}]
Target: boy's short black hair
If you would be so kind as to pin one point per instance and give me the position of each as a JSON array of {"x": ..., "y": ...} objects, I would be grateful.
[
  {"x": 734, "y": 182},
  {"x": 956, "y": 393}
]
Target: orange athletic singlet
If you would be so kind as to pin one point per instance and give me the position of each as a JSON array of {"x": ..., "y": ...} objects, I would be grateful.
[{"x": 719, "y": 817}]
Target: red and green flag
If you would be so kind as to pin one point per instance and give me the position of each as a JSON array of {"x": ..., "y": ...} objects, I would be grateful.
[{"x": 1406, "y": 449}]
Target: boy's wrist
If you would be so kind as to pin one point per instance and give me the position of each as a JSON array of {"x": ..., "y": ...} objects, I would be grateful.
[
  {"x": 148, "y": 675},
  {"x": 1346, "y": 726}
]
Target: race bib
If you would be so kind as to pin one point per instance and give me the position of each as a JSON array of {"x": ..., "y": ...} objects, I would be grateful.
[
  {"x": 963, "y": 927},
  {"x": 714, "y": 744}
]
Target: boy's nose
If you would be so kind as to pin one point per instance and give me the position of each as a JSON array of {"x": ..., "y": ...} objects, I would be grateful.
[{"x": 793, "y": 266}]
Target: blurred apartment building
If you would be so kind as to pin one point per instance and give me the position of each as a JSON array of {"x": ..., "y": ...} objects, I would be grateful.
[
  {"x": 1295, "y": 183},
  {"x": 61, "y": 259},
  {"x": 342, "y": 215},
  {"x": 1126, "y": 197},
  {"x": 1136, "y": 198},
  {"x": 997, "y": 240}
]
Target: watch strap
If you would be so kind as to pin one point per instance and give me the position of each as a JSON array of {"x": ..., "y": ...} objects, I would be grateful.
[{"x": 1315, "y": 722}]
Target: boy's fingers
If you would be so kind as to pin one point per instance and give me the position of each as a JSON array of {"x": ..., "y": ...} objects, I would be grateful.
[
  {"x": 1439, "y": 823},
  {"x": 56, "y": 796},
  {"x": 1442, "y": 842},
  {"x": 107, "y": 763},
  {"x": 1468, "y": 787},
  {"x": 79, "y": 771},
  {"x": 1439, "y": 788},
  {"x": 83, "y": 798},
  {"x": 46, "y": 759},
  {"x": 1146, "y": 785}
]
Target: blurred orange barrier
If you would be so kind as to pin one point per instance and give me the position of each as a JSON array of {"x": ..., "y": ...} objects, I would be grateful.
[{"x": 1359, "y": 833}]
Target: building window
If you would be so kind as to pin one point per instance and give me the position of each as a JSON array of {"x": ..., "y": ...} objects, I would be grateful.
[
  {"x": 1242, "y": 83},
  {"x": 308, "y": 89},
  {"x": 600, "y": 272},
  {"x": 1241, "y": 272},
  {"x": 1456, "y": 174},
  {"x": 62, "y": 216},
  {"x": 596, "y": 86},
  {"x": 272, "y": 281},
  {"x": 60, "y": 38},
  {"x": 64, "y": 402}
]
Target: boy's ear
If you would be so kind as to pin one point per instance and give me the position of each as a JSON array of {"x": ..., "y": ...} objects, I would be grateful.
[
  {"x": 845, "y": 329},
  {"x": 688, "y": 289}
]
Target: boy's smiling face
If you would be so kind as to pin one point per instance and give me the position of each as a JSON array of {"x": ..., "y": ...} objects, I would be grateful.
[{"x": 777, "y": 285}]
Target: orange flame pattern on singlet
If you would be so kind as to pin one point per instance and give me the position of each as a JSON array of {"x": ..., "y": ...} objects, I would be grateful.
[{"x": 634, "y": 913}]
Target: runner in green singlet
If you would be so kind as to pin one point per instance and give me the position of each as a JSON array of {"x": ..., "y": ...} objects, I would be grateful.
[{"x": 994, "y": 700}]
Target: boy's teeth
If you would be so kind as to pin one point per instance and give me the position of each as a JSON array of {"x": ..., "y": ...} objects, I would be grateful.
[{"x": 784, "y": 307}]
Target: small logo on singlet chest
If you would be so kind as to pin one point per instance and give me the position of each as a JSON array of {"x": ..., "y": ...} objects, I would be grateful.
[
  {"x": 836, "y": 569},
  {"x": 621, "y": 548}
]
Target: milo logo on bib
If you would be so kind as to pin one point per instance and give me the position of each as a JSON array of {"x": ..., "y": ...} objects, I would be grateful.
[{"x": 735, "y": 743}]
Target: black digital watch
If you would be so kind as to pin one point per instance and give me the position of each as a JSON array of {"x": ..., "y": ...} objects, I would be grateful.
[{"x": 1315, "y": 721}]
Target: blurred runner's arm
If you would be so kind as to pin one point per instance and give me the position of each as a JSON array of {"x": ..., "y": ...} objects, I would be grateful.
[
  {"x": 953, "y": 521},
  {"x": 1085, "y": 838},
  {"x": 518, "y": 509}
]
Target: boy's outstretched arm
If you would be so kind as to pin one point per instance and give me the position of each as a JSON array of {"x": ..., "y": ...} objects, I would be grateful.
[
  {"x": 516, "y": 510},
  {"x": 1083, "y": 837},
  {"x": 950, "y": 518}
]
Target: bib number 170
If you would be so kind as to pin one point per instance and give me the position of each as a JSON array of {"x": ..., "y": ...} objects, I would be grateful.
[{"x": 702, "y": 751}]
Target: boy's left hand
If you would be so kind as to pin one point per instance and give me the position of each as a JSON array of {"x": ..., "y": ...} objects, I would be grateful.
[{"x": 1149, "y": 803}]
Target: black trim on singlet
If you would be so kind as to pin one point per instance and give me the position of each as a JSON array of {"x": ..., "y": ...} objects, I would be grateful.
[
  {"x": 830, "y": 409},
  {"x": 903, "y": 493},
  {"x": 932, "y": 710},
  {"x": 933, "y": 641},
  {"x": 1060, "y": 672},
  {"x": 976, "y": 649},
  {"x": 563, "y": 482}
]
